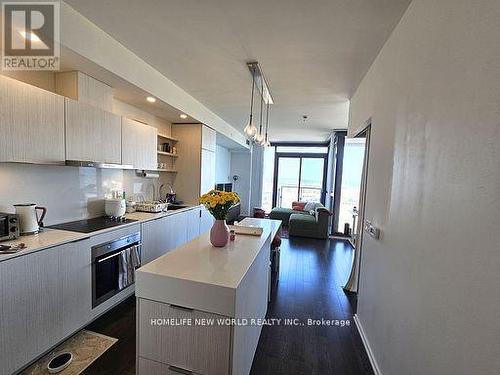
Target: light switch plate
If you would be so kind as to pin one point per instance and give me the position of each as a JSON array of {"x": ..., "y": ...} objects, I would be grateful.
[{"x": 372, "y": 230}]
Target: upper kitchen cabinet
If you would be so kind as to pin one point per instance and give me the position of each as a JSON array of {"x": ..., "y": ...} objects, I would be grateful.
[
  {"x": 196, "y": 161},
  {"x": 139, "y": 144},
  {"x": 31, "y": 124},
  {"x": 208, "y": 138},
  {"x": 92, "y": 134},
  {"x": 85, "y": 89}
]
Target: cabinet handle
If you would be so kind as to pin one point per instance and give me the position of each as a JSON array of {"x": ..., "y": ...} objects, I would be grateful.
[
  {"x": 180, "y": 307},
  {"x": 180, "y": 370}
]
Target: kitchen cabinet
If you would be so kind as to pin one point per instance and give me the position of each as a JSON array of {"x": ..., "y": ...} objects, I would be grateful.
[
  {"x": 208, "y": 138},
  {"x": 75, "y": 283},
  {"x": 203, "y": 349},
  {"x": 179, "y": 229},
  {"x": 196, "y": 161},
  {"x": 206, "y": 220},
  {"x": 31, "y": 124},
  {"x": 139, "y": 144},
  {"x": 92, "y": 134},
  {"x": 44, "y": 297},
  {"x": 167, "y": 233},
  {"x": 157, "y": 238},
  {"x": 193, "y": 218},
  {"x": 207, "y": 171},
  {"x": 84, "y": 88}
]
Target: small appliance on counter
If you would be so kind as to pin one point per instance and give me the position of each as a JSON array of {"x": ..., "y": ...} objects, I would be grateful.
[
  {"x": 9, "y": 226},
  {"x": 29, "y": 221},
  {"x": 115, "y": 207}
]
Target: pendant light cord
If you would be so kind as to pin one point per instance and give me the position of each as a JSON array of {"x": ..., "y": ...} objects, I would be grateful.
[
  {"x": 267, "y": 119},
  {"x": 253, "y": 88},
  {"x": 261, "y": 101}
]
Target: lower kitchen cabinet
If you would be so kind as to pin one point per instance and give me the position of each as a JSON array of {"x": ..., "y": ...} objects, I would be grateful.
[
  {"x": 156, "y": 238},
  {"x": 201, "y": 349},
  {"x": 75, "y": 273},
  {"x": 167, "y": 233},
  {"x": 145, "y": 366},
  {"x": 193, "y": 218},
  {"x": 44, "y": 297},
  {"x": 206, "y": 220}
]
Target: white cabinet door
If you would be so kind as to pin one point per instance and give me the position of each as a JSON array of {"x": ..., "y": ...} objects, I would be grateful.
[
  {"x": 178, "y": 224},
  {"x": 206, "y": 220},
  {"x": 92, "y": 134},
  {"x": 31, "y": 303},
  {"x": 207, "y": 182},
  {"x": 204, "y": 349},
  {"x": 31, "y": 124},
  {"x": 208, "y": 138},
  {"x": 156, "y": 238},
  {"x": 139, "y": 144},
  {"x": 75, "y": 277},
  {"x": 193, "y": 223},
  {"x": 44, "y": 297}
]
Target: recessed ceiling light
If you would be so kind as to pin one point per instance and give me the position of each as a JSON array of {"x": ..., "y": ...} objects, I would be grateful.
[
  {"x": 183, "y": 116},
  {"x": 151, "y": 99},
  {"x": 31, "y": 36}
]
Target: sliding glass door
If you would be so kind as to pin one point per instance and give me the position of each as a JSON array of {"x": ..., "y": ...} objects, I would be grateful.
[
  {"x": 288, "y": 181},
  {"x": 299, "y": 178}
]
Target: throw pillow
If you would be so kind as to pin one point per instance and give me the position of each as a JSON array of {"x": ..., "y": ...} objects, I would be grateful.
[
  {"x": 298, "y": 206},
  {"x": 310, "y": 206}
]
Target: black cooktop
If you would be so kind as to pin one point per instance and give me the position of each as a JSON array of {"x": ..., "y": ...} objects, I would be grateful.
[{"x": 91, "y": 225}]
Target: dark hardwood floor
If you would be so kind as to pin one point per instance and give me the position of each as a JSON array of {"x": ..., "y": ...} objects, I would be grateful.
[{"x": 310, "y": 286}]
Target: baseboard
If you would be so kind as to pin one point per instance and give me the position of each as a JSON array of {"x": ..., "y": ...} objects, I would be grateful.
[{"x": 366, "y": 344}]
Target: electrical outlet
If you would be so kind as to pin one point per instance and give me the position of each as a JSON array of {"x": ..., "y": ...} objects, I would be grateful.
[{"x": 372, "y": 230}]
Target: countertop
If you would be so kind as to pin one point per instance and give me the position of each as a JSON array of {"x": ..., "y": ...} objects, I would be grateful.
[
  {"x": 54, "y": 237},
  {"x": 197, "y": 275}
]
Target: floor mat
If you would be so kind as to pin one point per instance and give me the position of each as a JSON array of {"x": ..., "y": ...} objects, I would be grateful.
[{"x": 86, "y": 347}]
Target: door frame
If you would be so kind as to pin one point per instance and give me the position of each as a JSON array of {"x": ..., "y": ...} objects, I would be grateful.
[
  {"x": 352, "y": 284},
  {"x": 300, "y": 156}
]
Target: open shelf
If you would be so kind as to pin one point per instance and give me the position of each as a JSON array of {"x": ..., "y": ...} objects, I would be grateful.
[
  {"x": 170, "y": 138},
  {"x": 167, "y": 170},
  {"x": 168, "y": 154}
]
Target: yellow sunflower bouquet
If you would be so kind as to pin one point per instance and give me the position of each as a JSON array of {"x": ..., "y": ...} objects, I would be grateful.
[{"x": 218, "y": 202}]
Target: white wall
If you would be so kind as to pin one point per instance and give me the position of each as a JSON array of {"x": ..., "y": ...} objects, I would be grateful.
[
  {"x": 222, "y": 165},
  {"x": 429, "y": 300}
]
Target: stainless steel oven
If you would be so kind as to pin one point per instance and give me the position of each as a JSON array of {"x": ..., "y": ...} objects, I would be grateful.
[{"x": 113, "y": 266}]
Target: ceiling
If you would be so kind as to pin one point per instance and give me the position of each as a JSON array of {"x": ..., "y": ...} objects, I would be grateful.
[{"x": 314, "y": 53}]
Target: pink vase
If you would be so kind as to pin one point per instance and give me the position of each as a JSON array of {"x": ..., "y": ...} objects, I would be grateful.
[{"x": 219, "y": 234}]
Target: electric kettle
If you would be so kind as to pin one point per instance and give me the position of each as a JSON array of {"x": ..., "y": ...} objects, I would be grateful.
[{"x": 29, "y": 221}]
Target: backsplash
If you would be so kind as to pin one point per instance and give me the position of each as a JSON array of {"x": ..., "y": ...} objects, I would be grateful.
[{"x": 69, "y": 193}]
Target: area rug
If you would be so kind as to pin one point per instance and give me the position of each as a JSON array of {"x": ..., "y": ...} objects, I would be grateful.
[{"x": 86, "y": 347}]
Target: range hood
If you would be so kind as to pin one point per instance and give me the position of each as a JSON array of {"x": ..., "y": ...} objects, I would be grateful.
[{"x": 97, "y": 164}]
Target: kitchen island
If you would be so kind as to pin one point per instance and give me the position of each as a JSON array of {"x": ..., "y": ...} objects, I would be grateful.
[{"x": 199, "y": 308}]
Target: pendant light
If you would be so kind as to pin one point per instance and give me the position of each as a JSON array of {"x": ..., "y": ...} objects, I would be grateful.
[
  {"x": 251, "y": 130},
  {"x": 266, "y": 142}
]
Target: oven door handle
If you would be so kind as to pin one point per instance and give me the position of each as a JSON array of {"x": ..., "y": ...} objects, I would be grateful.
[
  {"x": 134, "y": 247},
  {"x": 112, "y": 256}
]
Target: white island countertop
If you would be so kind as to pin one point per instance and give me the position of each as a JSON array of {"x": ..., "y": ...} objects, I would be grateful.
[{"x": 199, "y": 276}]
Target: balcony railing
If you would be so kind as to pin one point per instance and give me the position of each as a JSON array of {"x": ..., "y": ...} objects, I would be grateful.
[{"x": 288, "y": 194}]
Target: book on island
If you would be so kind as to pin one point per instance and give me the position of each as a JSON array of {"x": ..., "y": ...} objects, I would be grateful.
[{"x": 252, "y": 230}]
